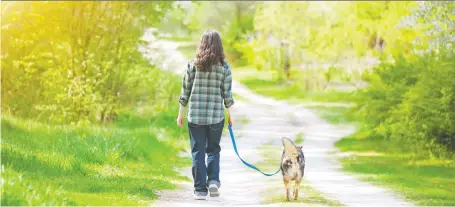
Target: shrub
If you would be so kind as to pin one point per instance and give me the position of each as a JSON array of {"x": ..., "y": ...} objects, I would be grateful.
[{"x": 413, "y": 100}]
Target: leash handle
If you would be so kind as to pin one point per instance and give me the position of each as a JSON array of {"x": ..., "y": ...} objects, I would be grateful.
[{"x": 247, "y": 164}]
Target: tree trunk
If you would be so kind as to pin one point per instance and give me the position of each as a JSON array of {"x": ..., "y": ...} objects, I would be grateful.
[
  {"x": 103, "y": 114},
  {"x": 239, "y": 15},
  {"x": 286, "y": 59}
]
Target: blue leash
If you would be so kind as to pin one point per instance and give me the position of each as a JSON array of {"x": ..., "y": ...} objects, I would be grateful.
[{"x": 247, "y": 164}]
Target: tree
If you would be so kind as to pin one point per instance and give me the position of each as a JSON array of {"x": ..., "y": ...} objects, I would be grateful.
[
  {"x": 74, "y": 61},
  {"x": 434, "y": 21},
  {"x": 234, "y": 20},
  {"x": 324, "y": 31}
]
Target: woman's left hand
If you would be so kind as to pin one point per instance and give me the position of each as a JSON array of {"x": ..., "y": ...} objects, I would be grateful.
[{"x": 231, "y": 120}]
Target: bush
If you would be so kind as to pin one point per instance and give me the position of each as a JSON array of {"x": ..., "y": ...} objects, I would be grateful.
[{"x": 413, "y": 100}]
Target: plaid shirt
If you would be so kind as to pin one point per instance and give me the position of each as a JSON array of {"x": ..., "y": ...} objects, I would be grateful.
[{"x": 207, "y": 92}]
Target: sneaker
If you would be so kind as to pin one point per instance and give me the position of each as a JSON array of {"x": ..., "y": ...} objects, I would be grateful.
[
  {"x": 200, "y": 195},
  {"x": 214, "y": 191}
]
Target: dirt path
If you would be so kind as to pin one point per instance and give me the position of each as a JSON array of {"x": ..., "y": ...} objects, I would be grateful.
[{"x": 270, "y": 119}]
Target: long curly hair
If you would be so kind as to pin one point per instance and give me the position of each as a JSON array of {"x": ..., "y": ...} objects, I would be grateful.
[{"x": 209, "y": 52}]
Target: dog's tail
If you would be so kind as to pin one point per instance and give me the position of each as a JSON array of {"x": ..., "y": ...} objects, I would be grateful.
[{"x": 289, "y": 147}]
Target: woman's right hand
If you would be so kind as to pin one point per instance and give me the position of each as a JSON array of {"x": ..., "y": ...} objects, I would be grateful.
[
  {"x": 180, "y": 116},
  {"x": 180, "y": 120}
]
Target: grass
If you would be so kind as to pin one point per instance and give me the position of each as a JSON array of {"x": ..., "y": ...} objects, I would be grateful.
[
  {"x": 267, "y": 84},
  {"x": 178, "y": 38},
  {"x": 293, "y": 92},
  {"x": 310, "y": 197},
  {"x": 186, "y": 46},
  {"x": 299, "y": 138},
  {"x": 422, "y": 180},
  {"x": 307, "y": 194},
  {"x": 239, "y": 98},
  {"x": 188, "y": 50},
  {"x": 124, "y": 163},
  {"x": 336, "y": 114}
]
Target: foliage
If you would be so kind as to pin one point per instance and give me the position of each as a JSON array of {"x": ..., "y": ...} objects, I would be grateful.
[
  {"x": 274, "y": 30},
  {"x": 76, "y": 61},
  {"x": 176, "y": 21},
  {"x": 370, "y": 22},
  {"x": 262, "y": 56},
  {"x": 234, "y": 20},
  {"x": 435, "y": 21},
  {"x": 342, "y": 28},
  {"x": 413, "y": 100}
]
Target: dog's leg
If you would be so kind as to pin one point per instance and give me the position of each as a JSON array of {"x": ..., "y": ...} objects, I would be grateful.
[
  {"x": 287, "y": 179},
  {"x": 296, "y": 189}
]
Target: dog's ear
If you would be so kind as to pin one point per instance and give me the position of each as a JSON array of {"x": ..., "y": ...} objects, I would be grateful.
[
  {"x": 299, "y": 147},
  {"x": 289, "y": 147}
]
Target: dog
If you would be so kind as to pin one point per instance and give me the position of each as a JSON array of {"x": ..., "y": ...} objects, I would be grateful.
[{"x": 292, "y": 166}]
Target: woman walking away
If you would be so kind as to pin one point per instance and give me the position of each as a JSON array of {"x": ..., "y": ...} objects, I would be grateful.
[{"x": 206, "y": 86}]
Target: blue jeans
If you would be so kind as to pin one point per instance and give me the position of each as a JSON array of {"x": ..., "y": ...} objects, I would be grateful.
[{"x": 205, "y": 139}]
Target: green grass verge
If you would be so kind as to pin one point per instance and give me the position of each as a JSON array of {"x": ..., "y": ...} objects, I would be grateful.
[
  {"x": 307, "y": 194},
  {"x": 179, "y": 38},
  {"x": 239, "y": 98},
  {"x": 186, "y": 46},
  {"x": 422, "y": 180},
  {"x": 293, "y": 92},
  {"x": 188, "y": 51},
  {"x": 336, "y": 114},
  {"x": 299, "y": 138},
  {"x": 66, "y": 165},
  {"x": 123, "y": 163}
]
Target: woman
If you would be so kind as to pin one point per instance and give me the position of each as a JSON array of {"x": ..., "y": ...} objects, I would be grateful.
[{"x": 206, "y": 87}]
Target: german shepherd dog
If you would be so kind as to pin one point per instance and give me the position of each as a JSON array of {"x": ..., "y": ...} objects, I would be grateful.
[{"x": 292, "y": 166}]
